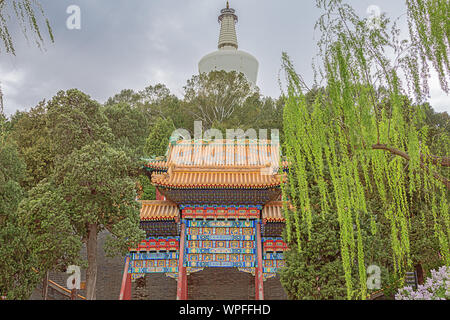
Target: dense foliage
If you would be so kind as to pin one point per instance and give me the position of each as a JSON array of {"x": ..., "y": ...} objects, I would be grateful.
[
  {"x": 80, "y": 182},
  {"x": 362, "y": 139},
  {"x": 17, "y": 259},
  {"x": 316, "y": 272},
  {"x": 158, "y": 139}
]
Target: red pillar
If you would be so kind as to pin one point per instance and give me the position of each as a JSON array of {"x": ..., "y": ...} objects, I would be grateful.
[
  {"x": 125, "y": 290},
  {"x": 158, "y": 194},
  {"x": 182, "y": 290},
  {"x": 259, "y": 288}
]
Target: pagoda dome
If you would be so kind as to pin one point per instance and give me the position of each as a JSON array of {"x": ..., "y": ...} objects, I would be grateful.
[{"x": 228, "y": 58}]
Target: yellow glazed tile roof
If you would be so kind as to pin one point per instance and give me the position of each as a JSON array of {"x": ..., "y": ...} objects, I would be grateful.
[
  {"x": 273, "y": 212},
  {"x": 219, "y": 164},
  {"x": 160, "y": 164},
  {"x": 224, "y": 153},
  {"x": 158, "y": 210},
  {"x": 217, "y": 177}
]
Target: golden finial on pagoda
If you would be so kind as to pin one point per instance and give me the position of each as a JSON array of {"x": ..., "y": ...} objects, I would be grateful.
[{"x": 228, "y": 5}]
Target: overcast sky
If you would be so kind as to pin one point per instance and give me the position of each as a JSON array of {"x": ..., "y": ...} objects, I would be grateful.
[{"x": 130, "y": 44}]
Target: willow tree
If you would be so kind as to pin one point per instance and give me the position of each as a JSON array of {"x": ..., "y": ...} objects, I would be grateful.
[
  {"x": 1, "y": 100},
  {"x": 27, "y": 14},
  {"x": 429, "y": 26},
  {"x": 23, "y": 12},
  {"x": 363, "y": 137}
]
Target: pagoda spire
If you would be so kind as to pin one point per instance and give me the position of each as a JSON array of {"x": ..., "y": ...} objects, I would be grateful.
[
  {"x": 228, "y": 58},
  {"x": 227, "y": 20}
]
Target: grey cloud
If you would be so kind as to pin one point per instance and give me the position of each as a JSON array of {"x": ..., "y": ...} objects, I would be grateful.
[{"x": 131, "y": 44}]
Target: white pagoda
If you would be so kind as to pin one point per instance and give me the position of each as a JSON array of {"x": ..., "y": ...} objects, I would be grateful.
[{"x": 228, "y": 57}]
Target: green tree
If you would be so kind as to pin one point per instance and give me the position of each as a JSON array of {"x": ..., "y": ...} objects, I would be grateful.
[
  {"x": 354, "y": 147},
  {"x": 31, "y": 133},
  {"x": 1, "y": 101},
  {"x": 158, "y": 139},
  {"x": 316, "y": 273},
  {"x": 148, "y": 190},
  {"x": 74, "y": 120},
  {"x": 155, "y": 95},
  {"x": 53, "y": 239},
  {"x": 215, "y": 97},
  {"x": 86, "y": 184},
  {"x": 429, "y": 27},
  {"x": 100, "y": 194},
  {"x": 129, "y": 126},
  {"x": 126, "y": 96},
  {"x": 17, "y": 279},
  {"x": 438, "y": 126},
  {"x": 70, "y": 120}
]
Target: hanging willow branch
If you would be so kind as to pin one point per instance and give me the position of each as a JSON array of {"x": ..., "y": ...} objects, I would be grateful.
[
  {"x": 24, "y": 13},
  {"x": 1, "y": 101},
  {"x": 429, "y": 26},
  {"x": 362, "y": 109},
  {"x": 443, "y": 161}
]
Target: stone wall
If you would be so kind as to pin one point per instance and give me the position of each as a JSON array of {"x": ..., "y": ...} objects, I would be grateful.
[{"x": 109, "y": 275}]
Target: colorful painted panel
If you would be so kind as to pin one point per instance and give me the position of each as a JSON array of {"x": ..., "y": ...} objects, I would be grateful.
[
  {"x": 275, "y": 244},
  {"x": 209, "y": 246},
  {"x": 268, "y": 276},
  {"x": 221, "y": 237},
  {"x": 135, "y": 276},
  {"x": 219, "y": 243},
  {"x": 220, "y": 212},
  {"x": 158, "y": 244},
  {"x": 220, "y": 223},
  {"x": 153, "y": 266},
  {"x": 220, "y": 231},
  {"x": 273, "y": 256},
  {"x": 221, "y": 260},
  {"x": 155, "y": 255}
]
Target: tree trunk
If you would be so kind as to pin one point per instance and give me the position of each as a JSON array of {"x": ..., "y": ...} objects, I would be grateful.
[
  {"x": 443, "y": 161},
  {"x": 45, "y": 286},
  {"x": 91, "y": 272},
  {"x": 419, "y": 271}
]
